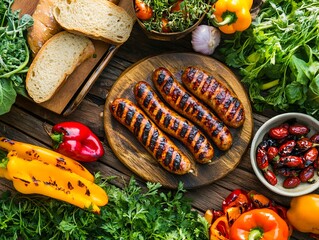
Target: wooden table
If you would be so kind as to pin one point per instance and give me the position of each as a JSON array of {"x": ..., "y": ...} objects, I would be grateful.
[{"x": 25, "y": 123}]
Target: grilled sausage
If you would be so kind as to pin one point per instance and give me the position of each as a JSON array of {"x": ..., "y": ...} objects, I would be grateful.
[
  {"x": 172, "y": 123},
  {"x": 188, "y": 106},
  {"x": 150, "y": 136},
  {"x": 216, "y": 95}
]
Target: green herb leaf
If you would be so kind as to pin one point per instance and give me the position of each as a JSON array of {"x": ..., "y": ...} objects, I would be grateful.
[
  {"x": 14, "y": 54},
  {"x": 7, "y": 96},
  {"x": 300, "y": 70}
]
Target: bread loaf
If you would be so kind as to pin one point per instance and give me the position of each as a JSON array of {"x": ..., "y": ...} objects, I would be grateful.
[
  {"x": 97, "y": 19},
  {"x": 44, "y": 25},
  {"x": 55, "y": 61}
]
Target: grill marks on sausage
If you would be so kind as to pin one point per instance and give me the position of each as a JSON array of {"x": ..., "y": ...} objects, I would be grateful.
[
  {"x": 120, "y": 109},
  {"x": 168, "y": 157},
  {"x": 159, "y": 115},
  {"x": 167, "y": 120},
  {"x": 137, "y": 124},
  {"x": 240, "y": 116},
  {"x": 187, "y": 105},
  {"x": 172, "y": 123},
  {"x": 227, "y": 106},
  {"x": 150, "y": 136},
  {"x": 160, "y": 148},
  {"x": 153, "y": 140},
  {"x": 168, "y": 85},
  {"x": 146, "y": 132},
  {"x": 177, "y": 161},
  {"x": 129, "y": 116},
  {"x": 184, "y": 99}
]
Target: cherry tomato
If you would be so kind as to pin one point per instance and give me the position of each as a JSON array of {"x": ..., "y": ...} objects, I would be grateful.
[
  {"x": 143, "y": 11},
  {"x": 180, "y": 6},
  {"x": 177, "y": 6},
  {"x": 165, "y": 27}
]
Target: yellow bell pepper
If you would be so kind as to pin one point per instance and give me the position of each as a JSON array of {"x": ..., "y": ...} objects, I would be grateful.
[
  {"x": 303, "y": 213},
  {"x": 33, "y": 176},
  {"x": 4, "y": 173},
  {"x": 33, "y": 152},
  {"x": 218, "y": 234},
  {"x": 232, "y": 15}
]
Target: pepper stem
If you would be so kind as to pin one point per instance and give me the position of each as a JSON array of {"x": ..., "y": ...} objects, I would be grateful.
[
  {"x": 276, "y": 159},
  {"x": 4, "y": 162},
  {"x": 57, "y": 138},
  {"x": 255, "y": 234},
  {"x": 228, "y": 18}
]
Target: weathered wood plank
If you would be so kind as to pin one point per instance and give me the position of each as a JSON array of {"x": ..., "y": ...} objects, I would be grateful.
[{"x": 24, "y": 123}]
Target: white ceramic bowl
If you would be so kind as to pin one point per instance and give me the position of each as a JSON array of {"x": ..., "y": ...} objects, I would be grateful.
[{"x": 303, "y": 188}]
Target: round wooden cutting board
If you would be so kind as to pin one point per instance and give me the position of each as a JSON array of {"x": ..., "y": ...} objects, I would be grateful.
[{"x": 133, "y": 155}]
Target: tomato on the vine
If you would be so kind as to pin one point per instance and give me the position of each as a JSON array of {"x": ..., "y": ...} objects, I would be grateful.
[{"x": 142, "y": 10}]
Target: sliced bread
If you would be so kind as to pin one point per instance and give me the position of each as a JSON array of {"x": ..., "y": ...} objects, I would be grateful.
[
  {"x": 97, "y": 19},
  {"x": 55, "y": 61}
]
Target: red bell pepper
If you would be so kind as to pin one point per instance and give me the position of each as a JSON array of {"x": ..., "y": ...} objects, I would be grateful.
[
  {"x": 77, "y": 141},
  {"x": 235, "y": 204},
  {"x": 237, "y": 198},
  {"x": 211, "y": 215},
  {"x": 314, "y": 236}
]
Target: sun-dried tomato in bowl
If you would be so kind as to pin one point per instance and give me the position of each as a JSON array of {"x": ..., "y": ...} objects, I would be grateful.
[{"x": 284, "y": 154}]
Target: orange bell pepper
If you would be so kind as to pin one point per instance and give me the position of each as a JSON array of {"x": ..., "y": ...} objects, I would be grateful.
[
  {"x": 259, "y": 224},
  {"x": 232, "y": 15}
]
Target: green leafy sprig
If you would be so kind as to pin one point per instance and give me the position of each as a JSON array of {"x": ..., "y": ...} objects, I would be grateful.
[
  {"x": 278, "y": 56},
  {"x": 14, "y": 54}
]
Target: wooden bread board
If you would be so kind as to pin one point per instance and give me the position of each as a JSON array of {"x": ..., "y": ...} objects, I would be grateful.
[
  {"x": 70, "y": 95},
  {"x": 133, "y": 155}
]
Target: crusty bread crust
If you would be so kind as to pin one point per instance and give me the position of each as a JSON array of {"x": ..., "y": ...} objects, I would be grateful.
[
  {"x": 97, "y": 19},
  {"x": 44, "y": 25},
  {"x": 55, "y": 61}
]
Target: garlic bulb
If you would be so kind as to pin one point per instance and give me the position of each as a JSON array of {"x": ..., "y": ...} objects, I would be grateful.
[{"x": 205, "y": 39}]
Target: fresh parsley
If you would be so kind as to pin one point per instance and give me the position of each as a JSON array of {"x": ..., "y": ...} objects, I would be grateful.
[
  {"x": 133, "y": 213},
  {"x": 278, "y": 56},
  {"x": 14, "y": 54}
]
